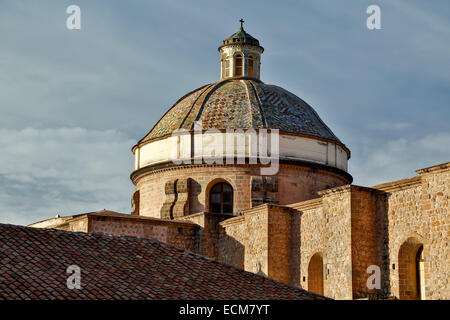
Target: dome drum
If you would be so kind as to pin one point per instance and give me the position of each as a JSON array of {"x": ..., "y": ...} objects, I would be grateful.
[{"x": 220, "y": 147}]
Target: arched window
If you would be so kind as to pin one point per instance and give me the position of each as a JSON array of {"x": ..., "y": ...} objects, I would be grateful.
[
  {"x": 315, "y": 274},
  {"x": 238, "y": 65},
  {"x": 225, "y": 66},
  {"x": 250, "y": 66},
  {"x": 221, "y": 198},
  {"x": 411, "y": 270}
]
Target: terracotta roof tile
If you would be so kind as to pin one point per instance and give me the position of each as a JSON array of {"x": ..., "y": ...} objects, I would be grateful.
[{"x": 33, "y": 264}]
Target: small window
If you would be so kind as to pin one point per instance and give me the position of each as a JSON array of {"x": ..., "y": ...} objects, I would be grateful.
[
  {"x": 227, "y": 68},
  {"x": 224, "y": 58},
  {"x": 250, "y": 66},
  {"x": 221, "y": 198},
  {"x": 238, "y": 65}
]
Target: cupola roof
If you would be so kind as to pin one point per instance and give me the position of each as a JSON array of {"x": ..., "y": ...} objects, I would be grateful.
[{"x": 241, "y": 37}]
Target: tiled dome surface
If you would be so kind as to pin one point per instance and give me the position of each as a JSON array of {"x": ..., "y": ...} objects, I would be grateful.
[{"x": 241, "y": 104}]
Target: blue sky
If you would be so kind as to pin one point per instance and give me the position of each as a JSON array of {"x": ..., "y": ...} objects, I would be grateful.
[{"x": 73, "y": 103}]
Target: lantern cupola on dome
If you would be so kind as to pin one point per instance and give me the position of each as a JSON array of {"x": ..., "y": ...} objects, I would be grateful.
[{"x": 240, "y": 55}]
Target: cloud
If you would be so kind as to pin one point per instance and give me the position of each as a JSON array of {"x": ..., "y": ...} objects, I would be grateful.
[
  {"x": 391, "y": 126},
  {"x": 398, "y": 158},
  {"x": 64, "y": 170},
  {"x": 426, "y": 18},
  {"x": 72, "y": 103}
]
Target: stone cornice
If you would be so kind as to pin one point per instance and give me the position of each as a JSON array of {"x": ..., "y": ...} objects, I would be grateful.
[
  {"x": 254, "y": 210},
  {"x": 65, "y": 221},
  {"x": 435, "y": 169},
  {"x": 142, "y": 219},
  {"x": 399, "y": 184},
  {"x": 169, "y": 165},
  {"x": 242, "y": 45},
  {"x": 232, "y": 221},
  {"x": 51, "y": 222},
  {"x": 345, "y": 188},
  {"x": 340, "y": 189},
  {"x": 307, "y": 205},
  {"x": 262, "y": 208},
  {"x": 204, "y": 214}
]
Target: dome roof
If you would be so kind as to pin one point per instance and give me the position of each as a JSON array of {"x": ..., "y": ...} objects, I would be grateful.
[
  {"x": 241, "y": 37},
  {"x": 241, "y": 104}
]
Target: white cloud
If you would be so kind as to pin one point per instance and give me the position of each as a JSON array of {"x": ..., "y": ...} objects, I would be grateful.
[
  {"x": 65, "y": 170},
  {"x": 128, "y": 65},
  {"x": 398, "y": 158}
]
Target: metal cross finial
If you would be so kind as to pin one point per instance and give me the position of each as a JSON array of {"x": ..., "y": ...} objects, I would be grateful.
[{"x": 242, "y": 23}]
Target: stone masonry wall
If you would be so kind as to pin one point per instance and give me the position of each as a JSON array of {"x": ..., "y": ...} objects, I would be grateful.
[
  {"x": 325, "y": 228},
  {"x": 259, "y": 242},
  {"x": 417, "y": 209},
  {"x": 77, "y": 225},
  {"x": 402, "y": 214},
  {"x": 351, "y": 227},
  {"x": 256, "y": 257},
  {"x": 201, "y": 179},
  {"x": 232, "y": 242},
  {"x": 364, "y": 238},
  {"x": 355, "y": 227},
  {"x": 308, "y": 236},
  {"x": 175, "y": 233},
  {"x": 208, "y": 232},
  {"x": 338, "y": 264},
  {"x": 435, "y": 197},
  {"x": 279, "y": 242},
  {"x": 295, "y": 183},
  {"x": 180, "y": 235}
]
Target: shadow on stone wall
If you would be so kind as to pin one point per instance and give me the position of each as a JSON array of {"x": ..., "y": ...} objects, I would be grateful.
[
  {"x": 231, "y": 251},
  {"x": 195, "y": 205},
  {"x": 383, "y": 244},
  {"x": 295, "y": 262}
]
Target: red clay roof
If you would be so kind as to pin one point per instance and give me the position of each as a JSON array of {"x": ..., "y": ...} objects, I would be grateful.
[{"x": 33, "y": 265}]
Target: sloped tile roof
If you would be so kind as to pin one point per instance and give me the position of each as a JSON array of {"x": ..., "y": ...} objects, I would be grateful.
[{"x": 33, "y": 264}]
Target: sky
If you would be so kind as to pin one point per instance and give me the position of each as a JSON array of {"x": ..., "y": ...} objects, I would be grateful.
[{"x": 74, "y": 102}]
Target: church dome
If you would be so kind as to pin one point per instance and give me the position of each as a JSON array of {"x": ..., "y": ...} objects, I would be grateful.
[
  {"x": 234, "y": 144},
  {"x": 242, "y": 104}
]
